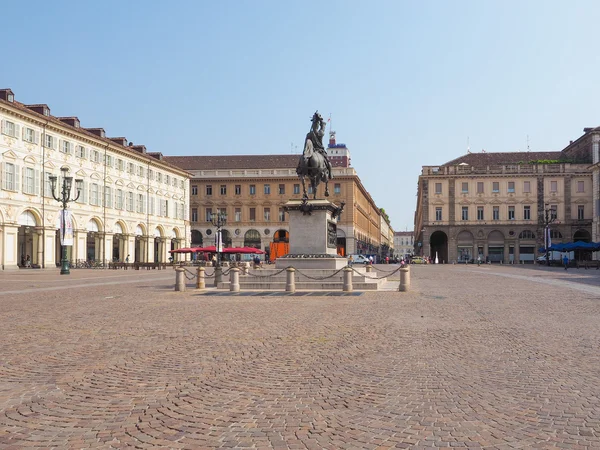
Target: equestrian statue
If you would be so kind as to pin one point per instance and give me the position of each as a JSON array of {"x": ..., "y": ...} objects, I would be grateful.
[{"x": 314, "y": 163}]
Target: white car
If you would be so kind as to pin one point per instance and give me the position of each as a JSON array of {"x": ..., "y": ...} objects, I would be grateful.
[{"x": 359, "y": 259}]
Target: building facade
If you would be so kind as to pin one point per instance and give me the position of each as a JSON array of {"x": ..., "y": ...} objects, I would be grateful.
[
  {"x": 493, "y": 205},
  {"x": 252, "y": 189},
  {"x": 404, "y": 243},
  {"x": 132, "y": 203}
]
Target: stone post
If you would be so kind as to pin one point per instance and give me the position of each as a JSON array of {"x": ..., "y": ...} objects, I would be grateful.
[
  {"x": 180, "y": 279},
  {"x": 404, "y": 279},
  {"x": 369, "y": 268},
  {"x": 234, "y": 279},
  {"x": 290, "y": 282},
  {"x": 200, "y": 283},
  {"x": 347, "y": 279},
  {"x": 218, "y": 275}
]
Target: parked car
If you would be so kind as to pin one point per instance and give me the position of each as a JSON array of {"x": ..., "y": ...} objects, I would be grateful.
[
  {"x": 359, "y": 259},
  {"x": 418, "y": 260}
]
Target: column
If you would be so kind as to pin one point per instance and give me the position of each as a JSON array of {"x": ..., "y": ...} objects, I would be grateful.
[
  {"x": 108, "y": 247},
  {"x": 150, "y": 249},
  {"x": 39, "y": 260},
  {"x": 506, "y": 250},
  {"x": 10, "y": 244}
]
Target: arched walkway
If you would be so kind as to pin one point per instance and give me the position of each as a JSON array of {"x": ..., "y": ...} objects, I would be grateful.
[
  {"x": 464, "y": 247},
  {"x": 28, "y": 241},
  {"x": 495, "y": 246},
  {"x": 438, "y": 244},
  {"x": 252, "y": 239}
]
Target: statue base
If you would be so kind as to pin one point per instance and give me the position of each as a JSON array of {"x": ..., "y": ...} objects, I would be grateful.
[{"x": 313, "y": 235}]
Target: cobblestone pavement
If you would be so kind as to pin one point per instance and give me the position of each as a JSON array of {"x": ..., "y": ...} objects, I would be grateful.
[{"x": 477, "y": 357}]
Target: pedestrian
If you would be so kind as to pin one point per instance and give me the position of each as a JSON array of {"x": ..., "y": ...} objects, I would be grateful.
[
  {"x": 350, "y": 260},
  {"x": 127, "y": 259},
  {"x": 479, "y": 260},
  {"x": 566, "y": 261}
]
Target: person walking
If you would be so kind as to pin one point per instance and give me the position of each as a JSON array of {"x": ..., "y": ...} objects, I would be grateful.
[
  {"x": 566, "y": 261},
  {"x": 350, "y": 260}
]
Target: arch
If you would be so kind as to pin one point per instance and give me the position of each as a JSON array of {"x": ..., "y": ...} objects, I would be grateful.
[
  {"x": 28, "y": 219},
  {"x": 465, "y": 236},
  {"x": 139, "y": 230},
  {"x": 175, "y": 233},
  {"x": 284, "y": 236},
  {"x": 496, "y": 236},
  {"x": 252, "y": 239},
  {"x": 226, "y": 238},
  {"x": 464, "y": 247},
  {"x": 526, "y": 234},
  {"x": 158, "y": 232},
  {"x": 582, "y": 236},
  {"x": 438, "y": 244},
  {"x": 196, "y": 238},
  {"x": 495, "y": 246},
  {"x": 340, "y": 233},
  {"x": 94, "y": 225},
  {"x": 120, "y": 228}
]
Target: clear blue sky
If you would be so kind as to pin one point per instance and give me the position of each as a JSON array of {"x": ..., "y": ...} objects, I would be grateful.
[{"x": 406, "y": 83}]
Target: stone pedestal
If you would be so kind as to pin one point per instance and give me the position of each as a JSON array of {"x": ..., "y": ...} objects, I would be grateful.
[{"x": 313, "y": 236}]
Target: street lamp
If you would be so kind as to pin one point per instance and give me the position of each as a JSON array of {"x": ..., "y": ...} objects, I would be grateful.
[
  {"x": 64, "y": 198},
  {"x": 547, "y": 217},
  {"x": 218, "y": 220}
]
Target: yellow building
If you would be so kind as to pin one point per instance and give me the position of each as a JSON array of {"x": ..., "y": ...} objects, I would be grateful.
[
  {"x": 252, "y": 190},
  {"x": 493, "y": 205}
]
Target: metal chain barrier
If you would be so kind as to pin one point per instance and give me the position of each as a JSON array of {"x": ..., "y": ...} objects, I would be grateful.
[
  {"x": 376, "y": 278},
  {"x": 320, "y": 278},
  {"x": 268, "y": 276},
  {"x": 193, "y": 275}
]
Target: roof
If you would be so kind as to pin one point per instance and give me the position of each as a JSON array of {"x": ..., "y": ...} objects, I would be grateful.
[
  {"x": 234, "y": 162},
  {"x": 492, "y": 159}
]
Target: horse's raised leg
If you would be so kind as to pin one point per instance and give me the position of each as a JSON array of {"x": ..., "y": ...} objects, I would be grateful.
[
  {"x": 326, "y": 188},
  {"x": 313, "y": 183},
  {"x": 305, "y": 196}
]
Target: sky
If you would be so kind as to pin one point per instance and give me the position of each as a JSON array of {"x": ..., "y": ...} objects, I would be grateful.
[{"x": 407, "y": 84}]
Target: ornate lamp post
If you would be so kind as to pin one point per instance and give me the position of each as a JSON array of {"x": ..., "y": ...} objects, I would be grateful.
[
  {"x": 546, "y": 218},
  {"x": 63, "y": 197},
  {"x": 218, "y": 220}
]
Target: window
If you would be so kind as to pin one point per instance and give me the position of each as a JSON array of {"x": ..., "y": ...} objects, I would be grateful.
[
  {"x": 120, "y": 164},
  {"x": 267, "y": 189},
  {"x": 511, "y": 187},
  {"x": 30, "y": 181},
  {"x": 31, "y": 135},
  {"x": 527, "y": 234},
  {"x": 194, "y": 189},
  {"x": 208, "y": 216},
  {"x": 252, "y": 189},
  {"x": 223, "y": 189},
  {"x": 209, "y": 189},
  {"x": 194, "y": 214},
  {"x": 438, "y": 214},
  {"x": 438, "y": 188},
  {"x": 252, "y": 214},
  {"x": 296, "y": 188},
  {"x": 281, "y": 189},
  {"x": 527, "y": 187},
  {"x": 580, "y": 186},
  {"x": 94, "y": 200},
  {"x": 237, "y": 213},
  {"x": 159, "y": 177},
  {"x": 465, "y": 188},
  {"x": 580, "y": 212},
  {"x": 141, "y": 171},
  {"x": 95, "y": 156},
  {"x": 49, "y": 141},
  {"x": 66, "y": 147},
  {"x": 168, "y": 179},
  {"x": 108, "y": 196},
  {"x": 554, "y": 186},
  {"x": 480, "y": 187},
  {"x": 267, "y": 214},
  {"x": 554, "y": 211},
  {"x": 526, "y": 212},
  {"x": 496, "y": 213},
  {"x": 496, "y": 187},
  {"x": 281, "y": 215},
  {"x": 238, "y": 189},
  {"x": 151, "y": 175},
  {"x": 119, "y": 199},
  {"x": 10, "y": 128},
  {"x": 465, "y": 213},
  {"x": 81, "y": 152},
  {"x": 165, "y": 207},
  {"x": 337, "y": 188},
  {"x": 139, "y": 206},
  {"x": 48, "y": 186},
  {"x": 480, "y": 213},
  {"x": 511, "y": 213}
]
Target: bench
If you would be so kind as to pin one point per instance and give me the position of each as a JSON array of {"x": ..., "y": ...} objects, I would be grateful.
[{"x": 587, "y": 264}]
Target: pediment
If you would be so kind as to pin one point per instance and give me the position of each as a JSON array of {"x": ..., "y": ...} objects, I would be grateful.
[
  {"x": 50, "y": 165},
  {"x": 9, "y": 154},
  {"x": 95, "y": 176},
  {"x": 30, "y": 159},
  {"x": 131, "y": 186},
  {"x": 140, "y": 188},
  {"x": 150, "y": 191},
  {"x": 496, "y": 201},
  {"x": 437, "y": 201},
  {"x": 109, "y": 180},
  {"x": 580, "y": 201},
  {"x": 119, "y": 183},
  {"x": 81, "y": 173}
]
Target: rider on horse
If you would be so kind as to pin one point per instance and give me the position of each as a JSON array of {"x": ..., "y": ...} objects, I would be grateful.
[{"x": 315, "y": 135}]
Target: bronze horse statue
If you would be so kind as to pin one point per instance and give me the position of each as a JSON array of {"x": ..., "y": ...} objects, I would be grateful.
[{"x": 314, "y": 163}]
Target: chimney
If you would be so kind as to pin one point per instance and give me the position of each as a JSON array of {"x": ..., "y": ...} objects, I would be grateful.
[
  {"x": 97, "y": 131},
  {"x": 73, "y": 121},
  {"x": 570, "y": 142},
  {"x": 587, "y": 130},
  {"x": 40, "y": 109},
  {"x": 157, "y": 155},
  {"x": 138, "y": 148},
  {"x": 119, "y": 140},
  {"x": 7, "y": 94}
]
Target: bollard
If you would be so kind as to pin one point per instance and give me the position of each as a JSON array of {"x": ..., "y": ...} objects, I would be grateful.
[
  {"x": 218, "y": 275},
  {"x": 234, "y": 279},
  {"x": 180, "y": 279},
  {"x": 244, "y": 267},
  {"x": 200, "y": 284},
  {"x": 369, "y": 268},
  {"x": 404, "y": 279},
  {"x": 347, "y": 279},
  {"x": 290, "y": 282}
]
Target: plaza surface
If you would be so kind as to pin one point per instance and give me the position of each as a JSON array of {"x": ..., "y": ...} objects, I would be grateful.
[{"x": 481, "y": 357}]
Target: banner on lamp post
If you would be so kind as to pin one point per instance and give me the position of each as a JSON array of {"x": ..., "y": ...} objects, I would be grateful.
[
  {"x": 65, "y": 225},
  {"x": 219, "y": 242}
]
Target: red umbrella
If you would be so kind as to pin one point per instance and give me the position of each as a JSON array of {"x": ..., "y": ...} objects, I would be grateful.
[{"x": 252, "y": 250}]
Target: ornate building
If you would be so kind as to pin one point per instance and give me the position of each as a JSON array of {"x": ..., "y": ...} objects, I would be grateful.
[
  {"x": 132, "y": 202},
  {"x": 252, "y": 189},
  {"x": 404, "y": 243},
  {"x": 493, "y": 204}
]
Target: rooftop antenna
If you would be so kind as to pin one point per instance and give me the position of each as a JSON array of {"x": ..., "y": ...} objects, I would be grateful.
[
  {"x": 528, "y": 143},
  {"x": 468, "y": 146}
]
